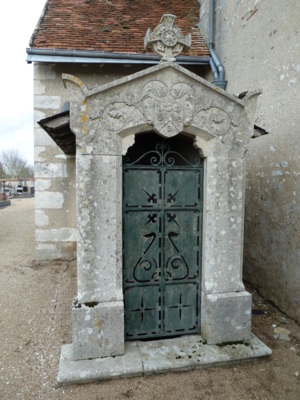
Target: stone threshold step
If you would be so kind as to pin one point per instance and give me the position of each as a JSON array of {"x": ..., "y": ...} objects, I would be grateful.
[{"x": 141, "y": 358}]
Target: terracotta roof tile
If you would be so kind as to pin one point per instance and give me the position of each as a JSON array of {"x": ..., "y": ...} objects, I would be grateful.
[{"x": 113, "y": 25}]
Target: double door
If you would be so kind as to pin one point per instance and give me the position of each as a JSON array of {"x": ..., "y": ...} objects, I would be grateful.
[{"x": 162, "y": 220}]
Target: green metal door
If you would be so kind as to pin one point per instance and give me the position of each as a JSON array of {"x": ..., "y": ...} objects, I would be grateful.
[{"x": 162, "y": 220}]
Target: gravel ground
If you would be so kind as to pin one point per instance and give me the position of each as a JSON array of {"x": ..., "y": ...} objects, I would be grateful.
[{"x": 35, "y": 320}]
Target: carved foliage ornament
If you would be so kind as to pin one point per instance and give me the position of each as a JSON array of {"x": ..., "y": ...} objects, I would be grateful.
[
  {"x": 167, "y": 40},
  {"x": 213, "y": 120},
  {"x": 168, "y": 107}
]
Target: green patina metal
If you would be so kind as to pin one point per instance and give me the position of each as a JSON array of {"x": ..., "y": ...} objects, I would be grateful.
[{"x": 162, "y": 223}]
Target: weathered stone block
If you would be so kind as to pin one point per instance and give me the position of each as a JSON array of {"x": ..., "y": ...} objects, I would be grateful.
[
  {"x": 39, "y": 87},
  {"x": 99, "y": 224},
  {"x": 226, "y": 317},
  {"x": 47, "y": 199},
  {"x": 44, "y": 72},
  {"x": 223, "y": 225},
  {"x": 47, "y": 102},
  {"x": 42, "y": 184},
  {"x": 56, "y": 235},
  {"x": 41, "y": 219},
  {"x": 51, "y": 170},
  {"x": 46, "y": 251},
  {"x": 41, "y": 138},
  {"x": 98, "y": 331},
  {"x": 68, "y": 250}
]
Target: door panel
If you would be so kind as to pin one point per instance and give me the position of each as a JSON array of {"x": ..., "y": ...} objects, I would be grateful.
[
  {"x": 143, "y": 188},
  {"x": 181, "y": 188},
  {"x": 162, "y": 221},
  {"x": 180, "y": 306},
  {"x": 141, "y": 248},
  {"x": 142, "y": 311},
  {"x": 182, "y": 245}
]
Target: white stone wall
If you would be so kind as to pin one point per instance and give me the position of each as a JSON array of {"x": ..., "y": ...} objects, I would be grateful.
[
  {"x": 55, "y": 173},
  {"x": 258, "y": 42}
]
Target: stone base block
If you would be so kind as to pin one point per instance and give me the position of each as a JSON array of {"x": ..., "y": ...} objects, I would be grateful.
[
  {"x": 140, "y": 358},
  {"x": 98, "y": 330},
  {"x": 226, "y": 317}
]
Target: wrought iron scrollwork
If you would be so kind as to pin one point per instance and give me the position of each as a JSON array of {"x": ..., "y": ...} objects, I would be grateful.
[
  {"x": 145, "y": 269},
  {"x": 162, "y": 156},
  {"x": 176, "y": 265}
]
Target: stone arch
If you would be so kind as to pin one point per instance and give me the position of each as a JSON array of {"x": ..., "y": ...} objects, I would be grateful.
[{"x": 200, "y": 136}]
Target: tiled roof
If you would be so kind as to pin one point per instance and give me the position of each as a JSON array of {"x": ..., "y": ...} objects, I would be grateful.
[{"x": 113, "y": 25}]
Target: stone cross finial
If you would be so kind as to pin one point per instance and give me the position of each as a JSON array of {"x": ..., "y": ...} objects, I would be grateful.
[{"x": 167, "y": 40}]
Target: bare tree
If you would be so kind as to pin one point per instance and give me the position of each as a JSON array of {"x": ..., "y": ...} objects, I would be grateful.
[
  {"x": 29, "y": 172},
  {"x": 14, "y": 165},
  {"x": 2, "y": 171}
]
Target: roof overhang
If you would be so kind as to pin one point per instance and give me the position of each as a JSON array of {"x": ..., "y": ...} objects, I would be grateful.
[
  {"x": 100, "y": 57},
  {"x": 58, "y": 128}
]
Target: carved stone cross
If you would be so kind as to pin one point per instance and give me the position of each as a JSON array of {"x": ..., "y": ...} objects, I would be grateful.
[{"x": 167, "y": 40}]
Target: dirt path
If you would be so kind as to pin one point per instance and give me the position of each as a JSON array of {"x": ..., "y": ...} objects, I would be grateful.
[{"x": 35, "y": 320}]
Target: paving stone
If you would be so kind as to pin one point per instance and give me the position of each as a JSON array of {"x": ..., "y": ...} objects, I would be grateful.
[
  {"x": 70, "y": 371},
  {"x": 188, "y": 352},
  {"x": 183, "y": 353}
]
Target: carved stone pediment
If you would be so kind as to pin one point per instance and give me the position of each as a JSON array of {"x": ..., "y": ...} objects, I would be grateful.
[{"x": 166, "y": 98}]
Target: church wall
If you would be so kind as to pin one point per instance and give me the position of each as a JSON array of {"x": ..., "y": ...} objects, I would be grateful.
[
  {"x": 55, "y": 185},
  {"x": 258, "y": 44}
]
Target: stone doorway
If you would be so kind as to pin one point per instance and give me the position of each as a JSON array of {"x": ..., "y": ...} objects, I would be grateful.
[
  {"x": 106, "y": 121},
  {"x": 162, "y": 222}
]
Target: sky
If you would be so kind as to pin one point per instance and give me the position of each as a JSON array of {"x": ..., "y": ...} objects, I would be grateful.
[{"x": 18, "y": 19}]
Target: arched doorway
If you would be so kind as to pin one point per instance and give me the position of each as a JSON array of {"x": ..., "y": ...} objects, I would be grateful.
[{"x": 162, "y": 231}]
